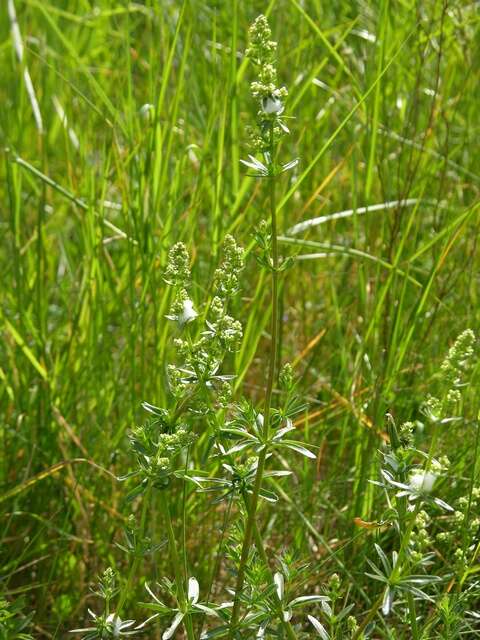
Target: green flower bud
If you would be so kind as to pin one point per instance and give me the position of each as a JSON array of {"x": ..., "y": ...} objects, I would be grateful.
[{"x": 177, "y": 271}]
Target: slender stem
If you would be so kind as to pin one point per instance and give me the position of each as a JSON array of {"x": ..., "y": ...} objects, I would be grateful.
[
  {"x": 247, "y": 541},
  {"x": 413, "y": 615},
  {"x": 177, "y": 565},
  {"x": 261, "y": 550},
  {"x": 184, "y": 518},
  {"x": 406, "y": 532},
  {"x": 136, "y": 561},
  {"x": 372, "y": 613},
  {"x": 249, "y": 528},
  {"x": 218, "y": 560},
  {"x": 274, "y": 324}
]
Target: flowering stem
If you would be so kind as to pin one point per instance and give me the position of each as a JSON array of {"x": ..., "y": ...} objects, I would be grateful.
[
  {"x": 273, "y": 348},
  {"x": 252, "y": 509},
  {"x": 172, "y": 543}
]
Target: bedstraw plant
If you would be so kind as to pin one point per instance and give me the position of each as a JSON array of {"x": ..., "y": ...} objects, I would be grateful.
[{"x": 241, "y": 439}]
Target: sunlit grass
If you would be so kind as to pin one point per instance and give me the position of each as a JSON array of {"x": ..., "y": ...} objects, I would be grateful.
[{"x": 380, "y": 214}]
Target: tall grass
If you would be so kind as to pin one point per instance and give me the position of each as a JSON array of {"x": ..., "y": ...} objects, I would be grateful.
[{"x": 96, "y": 187}]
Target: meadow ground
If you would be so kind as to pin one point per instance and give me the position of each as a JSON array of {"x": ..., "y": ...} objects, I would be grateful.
[{"x": 122, "y": 127}]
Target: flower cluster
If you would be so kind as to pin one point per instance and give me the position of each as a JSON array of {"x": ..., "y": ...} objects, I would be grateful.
[
  {"x": 453, "y": 372},
  {"x": 177, "y": 274},
  {"x": 226, "y": 276},
  {"x": 339, "y": 622},
  {"x": 108, "y": 624},
  {"x": 420, "y": 539},
  {"x": 265, "y": 89},
  {"x": 458, "y": 522},
  {"x": 262, "y": 51},
  {"x": 177, "y": 271},
  {"x": 458, "y": 359},
  {"x": 201, "y": 357},
  {"x": 136, "y": 543},
  {"x": 224, "y": 332},
  {"x": 156, "y": 449}
]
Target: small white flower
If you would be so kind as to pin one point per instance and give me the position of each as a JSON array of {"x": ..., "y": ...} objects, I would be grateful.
[
  {"x": 187, "y": 314},
  {"x": 280, "y": 584},
  {"x": 193, "y": 590},
  {"x": 146, "y": 111},
  {"x": 423, "y": 481},
  {"x": 271, "y": 104},
  {"x": 117, "y": 624}
]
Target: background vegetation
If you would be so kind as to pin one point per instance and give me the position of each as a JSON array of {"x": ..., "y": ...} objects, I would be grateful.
[{"x": 95, "y": 190}]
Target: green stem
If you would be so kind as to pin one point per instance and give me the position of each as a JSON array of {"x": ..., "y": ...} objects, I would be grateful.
[
  {"x": 261, "y": 550},
  {"x": 413, "y": 616},
  {"x": 218, "y": 561},
  {"x": 406, "y": 532},
  {"x": 247, "y": 540},
  {"x": 184, "y": 518},
  {"x": 273, "y": 349},
  {"x": 136, "y": 561},
  {"x": 372, "y": 613},
  {"x": 177, "y": 566}
]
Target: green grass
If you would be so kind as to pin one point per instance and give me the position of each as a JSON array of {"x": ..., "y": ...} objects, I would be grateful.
[{"x": 385, "y": 103}]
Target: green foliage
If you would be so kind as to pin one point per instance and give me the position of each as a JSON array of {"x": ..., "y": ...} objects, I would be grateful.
[
  {"x": 124, "y": 209},
  {"x": 14, "y": 624}
]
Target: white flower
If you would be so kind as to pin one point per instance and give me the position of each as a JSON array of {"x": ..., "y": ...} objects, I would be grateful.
[
  {"x": 117, "y": 625},
  {"x": 271, "y": 104},
  {"x": 193, "y": 590},
  {"x": 422, "y": 481},
  {"x": 260, "y": 421},
  {"x": 146, "y": 111},
  {"x": 279, "y": 583},
  {"x": 187, "y": 314}
]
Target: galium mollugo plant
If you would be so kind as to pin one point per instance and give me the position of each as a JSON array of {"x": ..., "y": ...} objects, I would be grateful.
[
  {"x": 160, "y": 446},
  {"x": 410, "y": 477},
  {"x": 192, "y": 605},
  {"x": 242, "y": 441},
  {"x": 243, "y": 438},
  {"x": 264, "y": 139}
]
